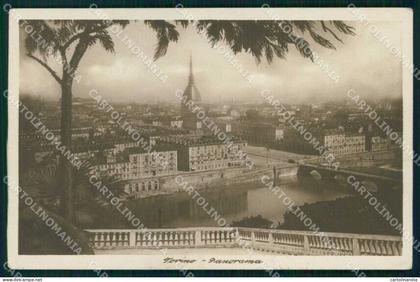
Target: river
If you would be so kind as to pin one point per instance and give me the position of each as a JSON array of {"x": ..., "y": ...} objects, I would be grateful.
[{"x": 181, "y": 210}]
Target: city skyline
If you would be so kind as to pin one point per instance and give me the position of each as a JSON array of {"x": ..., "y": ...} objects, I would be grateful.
[{"x": 301, "y": 79}]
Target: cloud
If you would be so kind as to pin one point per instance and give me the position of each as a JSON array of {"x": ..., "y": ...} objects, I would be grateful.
[{"x": 362, "y": 63}]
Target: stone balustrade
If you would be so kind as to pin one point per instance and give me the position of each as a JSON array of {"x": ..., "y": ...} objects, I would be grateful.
[
  {"x": 266, "y": 240},
  {"x": 156, "y": 238}
]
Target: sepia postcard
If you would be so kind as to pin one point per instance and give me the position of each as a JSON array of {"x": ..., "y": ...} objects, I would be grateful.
[{"x": 210, "y": 138}]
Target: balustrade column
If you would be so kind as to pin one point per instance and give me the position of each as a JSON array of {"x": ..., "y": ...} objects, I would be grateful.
[
  {"x": 132, "y": 238},
  {"x": 253, "y": 237},
  {"x": 270, "y": 239},
  {"x": 356, "y": 247},
  {"x": 306, "y": 244},
  {"x": 198, "y": 241}
]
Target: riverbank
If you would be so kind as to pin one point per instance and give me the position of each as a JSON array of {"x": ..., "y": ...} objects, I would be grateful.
[
  {"x": 348, "y": 215},
  {"x": 213, "y": 179}
]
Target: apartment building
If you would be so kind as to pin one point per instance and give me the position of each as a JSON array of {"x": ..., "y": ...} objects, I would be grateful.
[
  {"x": 135, "y": 163},
  {"x": 207, "y": 152},
  {"x": 339, "y": 143}
]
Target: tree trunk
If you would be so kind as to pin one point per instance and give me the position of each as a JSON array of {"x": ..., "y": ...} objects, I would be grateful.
[{"x": 65, "y": 166}]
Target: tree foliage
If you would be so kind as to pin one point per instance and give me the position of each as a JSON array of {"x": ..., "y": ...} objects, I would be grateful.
[
  {"x": 260, "y": 38},
  {"x": 263, "y": 38},
  {"x": 67, "y": 39}
]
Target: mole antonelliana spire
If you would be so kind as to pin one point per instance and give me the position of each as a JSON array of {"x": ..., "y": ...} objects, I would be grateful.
[
  {"x": 191, "y": 93},
  {"x": 191, "y": 77}
]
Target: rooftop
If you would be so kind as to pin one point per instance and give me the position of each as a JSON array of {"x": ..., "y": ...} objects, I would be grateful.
[
  {"x": 197, "y": 140},
  {"x": 141, "y": 150}
]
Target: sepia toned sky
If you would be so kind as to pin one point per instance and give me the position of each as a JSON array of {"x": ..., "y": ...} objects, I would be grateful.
[{"x": 362, "y": 63}]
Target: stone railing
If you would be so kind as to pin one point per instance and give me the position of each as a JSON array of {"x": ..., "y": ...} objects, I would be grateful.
[
  {"x": 169, "y": 238},
  {"x": 274, "y": 241},
  {"x": 321, "y": 243}
]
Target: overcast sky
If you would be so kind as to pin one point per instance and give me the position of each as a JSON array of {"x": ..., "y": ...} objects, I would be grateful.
[{"x": 362, "y": 63}]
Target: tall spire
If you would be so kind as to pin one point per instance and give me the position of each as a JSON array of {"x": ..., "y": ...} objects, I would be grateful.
[
  {"x": 191, "y": 78},
  {"x": 191, "y": 94}
]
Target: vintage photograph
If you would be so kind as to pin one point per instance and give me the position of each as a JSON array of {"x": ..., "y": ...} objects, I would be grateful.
[{"x": 183, "y": 138}]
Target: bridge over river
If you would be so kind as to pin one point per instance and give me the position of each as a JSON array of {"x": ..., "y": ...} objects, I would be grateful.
[
  {"x": 234, "y": 240},
  {"x": 331, "y": 173}
]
